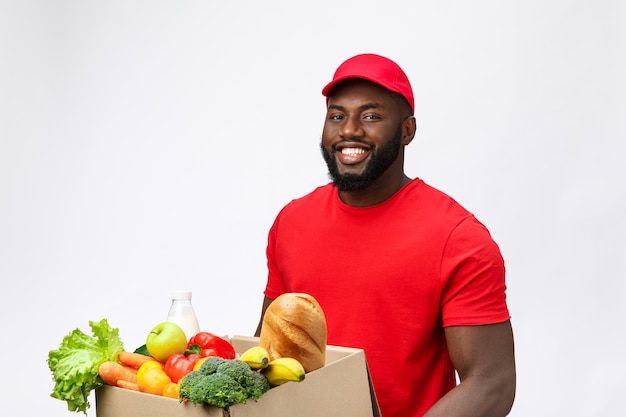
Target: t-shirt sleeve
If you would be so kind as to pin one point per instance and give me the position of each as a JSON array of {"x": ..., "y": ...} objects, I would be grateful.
[
  {"x": 474, "y": 277},
  {"x": 275, "y": 285}
]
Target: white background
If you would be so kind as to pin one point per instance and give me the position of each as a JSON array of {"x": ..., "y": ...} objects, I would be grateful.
[{"x": 146, "y": 146}]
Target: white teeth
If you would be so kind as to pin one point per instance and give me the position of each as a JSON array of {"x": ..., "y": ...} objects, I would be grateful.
[{"x": 352, "y": 151}]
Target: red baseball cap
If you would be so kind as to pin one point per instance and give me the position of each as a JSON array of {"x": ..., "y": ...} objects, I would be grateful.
[{"x": 377, "y": 69}]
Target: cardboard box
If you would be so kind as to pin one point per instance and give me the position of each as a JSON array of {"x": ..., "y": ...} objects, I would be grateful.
[{"x": 342, "y": 388}]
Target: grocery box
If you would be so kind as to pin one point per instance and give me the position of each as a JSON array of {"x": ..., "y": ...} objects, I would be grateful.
[{"x": 342, "y": 388}]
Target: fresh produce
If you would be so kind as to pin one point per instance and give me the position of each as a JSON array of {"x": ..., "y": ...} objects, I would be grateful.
[
  {"x": 75, "y": 363},
  {"x": 143, "y": 350},
  {"x": 179, "y": 365},
  {"x": 200, "y": 361},
  {"x": 112, "y": 372},
  {"x": 223, "y": 382},
  {"x": 127, "y": 385},
  {"x": 132, "y": 359},
  {"x": 152, "y": 379},
  {"x": 123, "y": 374},
  {"x": 165, "y": 340},
  {"x": 257, "y": 357},
  {"x": 217, "y": 390},
  {"x": 208, "y": 344},
  {"x": 201, "y": 370},
  {"x": 171, "y": 390},
  {"x": 283, "y": 370},
  {"x": 254, "y": 383}
]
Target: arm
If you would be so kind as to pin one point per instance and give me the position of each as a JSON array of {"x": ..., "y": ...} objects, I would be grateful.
[
  {"x": 266, "y": 303},
  {"x": 484, "y": 358}
]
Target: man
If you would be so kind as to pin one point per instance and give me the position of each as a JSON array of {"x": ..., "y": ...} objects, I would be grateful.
[{"x": 400, "y": 269}]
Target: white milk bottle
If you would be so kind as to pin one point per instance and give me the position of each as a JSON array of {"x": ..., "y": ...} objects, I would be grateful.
[{"x": 182, "y": 313}]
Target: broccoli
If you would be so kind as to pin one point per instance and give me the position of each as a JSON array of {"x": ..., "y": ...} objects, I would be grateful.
[
  {"x": 257, "y": 385},
  {"x": 210, "y": 364},
  {"x": 222, "y": 383},
  {"x": 254, "y": 383},
  {"x": 188, "y": 387},
  {"x": 218, "y": 390}
]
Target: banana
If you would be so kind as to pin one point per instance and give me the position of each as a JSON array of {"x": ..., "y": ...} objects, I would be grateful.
[
  {"x": 257, "y": 357},
  {"x": 282, "y": 370}
]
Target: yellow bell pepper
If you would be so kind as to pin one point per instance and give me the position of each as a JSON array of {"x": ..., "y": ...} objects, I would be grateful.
[
  {"x": 199, "y": 363},
  {"x": 171, "y": 390},
  {"x": 152, "y": 379}
]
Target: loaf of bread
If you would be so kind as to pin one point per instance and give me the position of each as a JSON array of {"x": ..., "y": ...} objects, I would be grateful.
[{"x": 294, "y": 326}]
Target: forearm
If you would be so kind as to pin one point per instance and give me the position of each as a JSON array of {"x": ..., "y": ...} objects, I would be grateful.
[{"x": 477, "y": 397}]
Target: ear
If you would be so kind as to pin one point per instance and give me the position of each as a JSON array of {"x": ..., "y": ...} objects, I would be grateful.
[{"x": 409, "y": 127}]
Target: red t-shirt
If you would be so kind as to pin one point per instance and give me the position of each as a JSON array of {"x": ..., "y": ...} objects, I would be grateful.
[{"x": 389, "y": 278}]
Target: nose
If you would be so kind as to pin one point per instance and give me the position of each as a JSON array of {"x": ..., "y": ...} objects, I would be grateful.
[{"x": 352, "y": 128}]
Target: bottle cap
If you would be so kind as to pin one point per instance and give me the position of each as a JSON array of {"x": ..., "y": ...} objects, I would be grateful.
[{"x": 181, "y": 295}]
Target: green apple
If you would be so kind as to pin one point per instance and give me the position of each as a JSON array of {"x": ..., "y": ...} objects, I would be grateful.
[{"x": 165, "y": 340}]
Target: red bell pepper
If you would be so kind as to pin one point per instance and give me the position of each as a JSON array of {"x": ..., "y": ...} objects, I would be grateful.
[
  {"x": 179, "y": 365},
  {"x": 207, "y": 344}
]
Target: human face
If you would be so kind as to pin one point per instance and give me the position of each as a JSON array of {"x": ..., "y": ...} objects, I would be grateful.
[
  {"x": 363, "y": 137},
  {"x": 380, "y": 160}
]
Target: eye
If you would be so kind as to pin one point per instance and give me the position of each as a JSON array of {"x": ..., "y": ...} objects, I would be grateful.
[
  {"x": 371, "y": 116},
  {"x": 335, "y": 116}
]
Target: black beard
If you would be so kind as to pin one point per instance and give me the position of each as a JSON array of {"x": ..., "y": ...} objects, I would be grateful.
[{"x": 380, "y": 160}]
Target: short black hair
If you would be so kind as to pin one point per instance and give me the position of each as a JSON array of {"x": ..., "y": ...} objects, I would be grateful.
[{"x": 404, "y": 105}]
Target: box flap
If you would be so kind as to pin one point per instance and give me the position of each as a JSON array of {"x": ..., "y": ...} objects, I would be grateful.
[{"x": 375, "y": 406}]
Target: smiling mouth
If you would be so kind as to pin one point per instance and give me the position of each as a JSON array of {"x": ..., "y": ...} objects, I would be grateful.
[
  {"x": 351, "y": 154},
  {"x": 352, "y": 151}
]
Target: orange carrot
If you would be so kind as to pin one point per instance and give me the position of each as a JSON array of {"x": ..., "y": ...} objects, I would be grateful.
[
  {"x": 133, "y": 360},
  {"x": 111, "y": 372},
  {"x": 127, "y": 384}
]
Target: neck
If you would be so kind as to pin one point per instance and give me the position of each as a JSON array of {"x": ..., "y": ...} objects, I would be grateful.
[{"x": 381, "y": 190}]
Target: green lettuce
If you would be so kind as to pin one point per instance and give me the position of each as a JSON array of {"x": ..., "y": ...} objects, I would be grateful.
[{"x": 75, "y": 363}]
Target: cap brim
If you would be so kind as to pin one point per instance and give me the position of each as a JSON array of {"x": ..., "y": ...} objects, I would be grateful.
[{"x": 329, "y": 87}]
